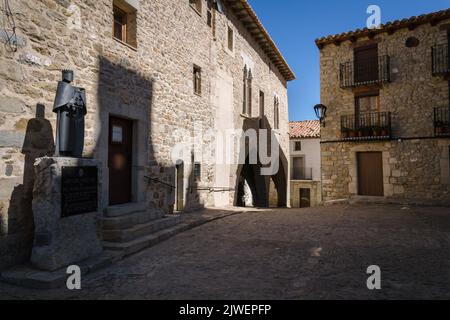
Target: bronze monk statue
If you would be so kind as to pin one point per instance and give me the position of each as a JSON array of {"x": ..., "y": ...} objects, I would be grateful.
[{"x": 70, "y": 107}]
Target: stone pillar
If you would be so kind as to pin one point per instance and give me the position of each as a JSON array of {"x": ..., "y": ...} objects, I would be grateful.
[{"x": 65, "y": 236}]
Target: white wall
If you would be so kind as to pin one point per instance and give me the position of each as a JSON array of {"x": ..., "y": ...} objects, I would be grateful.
[{"x": 311, "y": 152}]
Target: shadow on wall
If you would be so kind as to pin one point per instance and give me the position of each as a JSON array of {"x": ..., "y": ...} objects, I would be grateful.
[
  {"x": 253, "y": 189},
  {"x": 132, "y": 172},
  {"x": 38, "y": 142}
]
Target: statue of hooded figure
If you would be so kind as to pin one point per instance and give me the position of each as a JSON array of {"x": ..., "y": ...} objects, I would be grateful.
[{"x": 70, "y": 107}]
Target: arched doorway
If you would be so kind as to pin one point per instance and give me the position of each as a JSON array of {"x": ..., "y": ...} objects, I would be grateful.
[
  {"x": 251, "y": 186},
  {"x": 277, "y": 185}
]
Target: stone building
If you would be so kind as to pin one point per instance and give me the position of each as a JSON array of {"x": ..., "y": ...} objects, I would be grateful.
[
  {"x": 306, "y": 188},
  {"x": 386, "y": 131},
  {"x": 153, "y": 71}
]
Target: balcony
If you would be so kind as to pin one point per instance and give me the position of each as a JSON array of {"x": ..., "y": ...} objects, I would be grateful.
[
  {"x": 367, "y": 126},
  {"x": 302, "y": 174},
  {"x": 442, "y": 122},
  {"x": 441, "y": 60},
  {"x": 365, "y": 72}
]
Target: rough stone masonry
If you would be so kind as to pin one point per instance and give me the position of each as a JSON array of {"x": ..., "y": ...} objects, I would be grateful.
[
  {"x": 148, "y": 80},
  {"x": 415, "y": 161}
]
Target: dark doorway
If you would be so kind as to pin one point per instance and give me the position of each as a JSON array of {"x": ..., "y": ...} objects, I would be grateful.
[
  {"x": 120, "y": 160},
  {"x": 370, "y": 174},
  {"x": 366, "y": 64},
  {"x": 305, "y": 198},
  {"x": 179, "y": 193}
]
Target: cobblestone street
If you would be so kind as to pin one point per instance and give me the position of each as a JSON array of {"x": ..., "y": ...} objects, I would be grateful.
[{"x": 318, "y": 253}]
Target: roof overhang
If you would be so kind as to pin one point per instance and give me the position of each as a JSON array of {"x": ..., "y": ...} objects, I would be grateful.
[
  {"x": 245, "y": 13},
  {"x": 389, "y": 28}
]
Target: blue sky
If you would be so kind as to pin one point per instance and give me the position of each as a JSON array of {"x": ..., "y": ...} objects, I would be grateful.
[{"x": 295, "y": 24}]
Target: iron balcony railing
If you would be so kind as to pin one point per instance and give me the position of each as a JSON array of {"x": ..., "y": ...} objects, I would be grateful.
[
  {"x": 302, "y": 174},
  {"x": 441, "y": 59},
  {"x": 364, "y": 72},
  {"x": 366, "y": 126},
  {"x": 442, "y": 122}
]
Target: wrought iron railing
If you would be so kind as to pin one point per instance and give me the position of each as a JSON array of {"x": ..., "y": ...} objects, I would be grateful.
[
  {"x": 441, "y": 59},
  {"x": 302, "y": 174},
  {"x": 442, "y": 122},
  {"x": 363, "y": 72},
  {"x": 366, "y": 126}
]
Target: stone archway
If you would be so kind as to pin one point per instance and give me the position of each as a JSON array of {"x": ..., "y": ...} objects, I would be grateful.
[
  {"x": 251, "y": 186},
  {"x": 277, "y": 185}
]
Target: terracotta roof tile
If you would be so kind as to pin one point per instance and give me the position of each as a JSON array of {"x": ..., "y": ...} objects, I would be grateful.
[
  {"x": 433, "y": 18},
  {"x": 304, "y": 129}
]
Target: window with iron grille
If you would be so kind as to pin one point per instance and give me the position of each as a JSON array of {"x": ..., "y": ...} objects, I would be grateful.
[{"x": 298, "y": 146}]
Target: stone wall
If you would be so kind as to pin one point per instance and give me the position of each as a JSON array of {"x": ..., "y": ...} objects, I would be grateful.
[
  {"x": 415, "y": 163},
  {"x": 315, "y": 188},
  {"x": 150, "y": 84}
]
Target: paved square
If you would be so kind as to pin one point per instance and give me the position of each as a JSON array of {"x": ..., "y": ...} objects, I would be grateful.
[{"x": 318, "y": 253}]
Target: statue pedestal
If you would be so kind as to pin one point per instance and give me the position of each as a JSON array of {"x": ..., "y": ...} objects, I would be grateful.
[{"x": 66, "y": 211}]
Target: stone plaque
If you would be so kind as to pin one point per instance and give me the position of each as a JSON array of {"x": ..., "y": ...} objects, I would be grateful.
[{"x": 79, "y": 190}]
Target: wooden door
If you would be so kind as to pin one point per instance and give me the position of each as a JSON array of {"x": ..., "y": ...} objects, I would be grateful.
[
  {"x": 366, "y": 64},
  {"x": 120, "y": 160},
  {"x": 305, "y": 198},
  {"x": 370, "y": 174}
]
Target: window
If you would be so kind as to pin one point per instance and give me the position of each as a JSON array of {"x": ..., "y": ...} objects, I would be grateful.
[
  {"x": 125, "y": 23},
  {"x": 261, "y": 104},
  {"x": 298, "y": 146},
  {"x": 366, "y": 64},
  {"x": 197, "y": 80},
  {"x": 298, "y": 168},
  {"x": 230, "y": 39},
  {"x": 120, "y": 24},
  {"x": 276, "y": 113},
  {"x": 367, "y": 110},
  {"x": 247, "y": 107},
  {"x": 197, "y": 5},
  {"x": 197, "y": 171}
]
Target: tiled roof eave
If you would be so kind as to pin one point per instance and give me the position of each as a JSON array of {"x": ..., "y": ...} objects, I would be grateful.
[
  {"x": 245, "y": 13},
  {"x": 390, "y": 27}
]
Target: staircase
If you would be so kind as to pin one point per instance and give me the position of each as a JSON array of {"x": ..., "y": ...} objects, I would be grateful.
[{"x": 132, "y": 227}]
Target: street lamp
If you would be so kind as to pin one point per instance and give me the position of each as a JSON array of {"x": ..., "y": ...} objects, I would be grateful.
[{"x": 321, "y": 113}]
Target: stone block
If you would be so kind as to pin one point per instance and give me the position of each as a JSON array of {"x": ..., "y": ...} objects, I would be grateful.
[
  {"x": 11, "y": 70},
  {"x": 11, "y": 105},
  {"x": 11, "y": 138},
  {"x": 59, "y": 241}
]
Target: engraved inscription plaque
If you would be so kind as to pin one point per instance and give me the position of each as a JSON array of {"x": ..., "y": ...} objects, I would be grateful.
[{"x": 79, "y": 190}]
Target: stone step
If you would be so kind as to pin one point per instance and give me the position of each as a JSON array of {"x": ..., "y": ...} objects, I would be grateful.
[
  {"x": 29, "y": 277},
  {"x": 134, "y": 246},
  {"x": 125, "y": 209},
  {"x": 128, "y": 221},
  {"x": 140, "y": 230}
]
